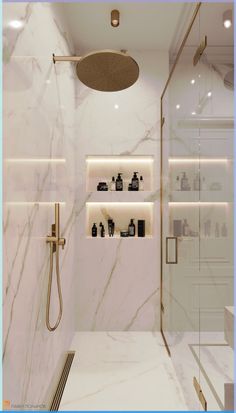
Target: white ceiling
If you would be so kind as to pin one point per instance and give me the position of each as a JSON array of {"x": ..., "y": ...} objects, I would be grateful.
[{"x": 146, "y": 26}]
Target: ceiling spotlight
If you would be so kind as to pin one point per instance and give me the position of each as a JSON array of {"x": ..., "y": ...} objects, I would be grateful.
[
  {"x": 116, "y": 106},
  {"x": 15, "y": 24},
  {"x": 192, "y": 81},
  {"x": 177, "y": 106},
  {"x": 193, "y": 113},
  {"x": 227, "y": 19},
  {"x": 115, "y": 18},
  {"x": 209, "y": 94}
]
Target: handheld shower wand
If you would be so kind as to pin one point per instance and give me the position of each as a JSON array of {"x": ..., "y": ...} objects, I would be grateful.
[{"x": 55, "y": 241}]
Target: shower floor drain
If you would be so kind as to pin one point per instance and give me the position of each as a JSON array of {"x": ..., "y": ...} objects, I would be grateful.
[{"x": 62, "y": 382}]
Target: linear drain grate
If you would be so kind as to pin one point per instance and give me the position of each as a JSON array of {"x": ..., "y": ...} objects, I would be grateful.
[{"x": 62, "y": 382}]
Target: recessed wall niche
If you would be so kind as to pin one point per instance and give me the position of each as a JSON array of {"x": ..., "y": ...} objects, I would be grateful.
[
  {"x": 103, "y": 168},
  {"x": 121, "y": 213}
]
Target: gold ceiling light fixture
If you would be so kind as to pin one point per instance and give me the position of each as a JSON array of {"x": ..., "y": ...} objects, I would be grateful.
[{"x": 115, "y": 18}]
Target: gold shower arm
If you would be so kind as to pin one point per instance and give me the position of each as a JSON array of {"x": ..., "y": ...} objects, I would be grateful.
[{"x": 65, "y": 58}]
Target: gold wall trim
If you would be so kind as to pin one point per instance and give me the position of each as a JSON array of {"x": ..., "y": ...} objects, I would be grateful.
[
  {"x": 181, "y": 47},
  {"x": 196, "y": 355},
  {"x": 166, "y": 344},
  {"x": 200, "y": 393},
  {"x": 62, "y": 382},
  {"x": 161, "y": 169},
  {"x": 200, "y": 51}
]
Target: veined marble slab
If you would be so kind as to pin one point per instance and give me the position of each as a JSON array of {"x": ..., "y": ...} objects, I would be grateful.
[
  {"x": 39, "y": 100},
  {"x": 121, "y": 371}
]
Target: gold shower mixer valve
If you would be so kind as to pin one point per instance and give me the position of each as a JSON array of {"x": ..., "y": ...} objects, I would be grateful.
[{"x": 55, "y": 238}]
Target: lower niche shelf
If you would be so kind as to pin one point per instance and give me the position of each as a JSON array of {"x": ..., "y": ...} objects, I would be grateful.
[
  {"x": 121, "y": 213},
  {"x": 119, "y": 237}
]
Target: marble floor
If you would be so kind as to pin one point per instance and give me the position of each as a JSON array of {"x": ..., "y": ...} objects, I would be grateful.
[
  {"x": 207, "y": 357},
  {"x": 121, "y": 371}
]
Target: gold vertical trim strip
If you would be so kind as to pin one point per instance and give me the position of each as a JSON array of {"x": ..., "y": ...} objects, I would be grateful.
[
  {"x": 200, "y": 393},
  {"x": 161, "y": 169},
  {"x": 200, "y": 51},
  {"x": 166, "y": 344},
  {"x": 181, "y": 47}
]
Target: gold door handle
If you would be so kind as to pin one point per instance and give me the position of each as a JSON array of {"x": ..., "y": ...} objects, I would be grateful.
[{"x": 168, "y": 261}]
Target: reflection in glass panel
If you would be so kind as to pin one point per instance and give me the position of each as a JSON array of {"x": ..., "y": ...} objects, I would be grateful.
[{"x": 197, "y": 295}]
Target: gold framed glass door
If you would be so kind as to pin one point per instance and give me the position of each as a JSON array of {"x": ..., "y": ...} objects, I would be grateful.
[
  {"x": 197, "y": 212},
  {"x": 180, "y": 213},
  {"x": 215, "y": 115}
]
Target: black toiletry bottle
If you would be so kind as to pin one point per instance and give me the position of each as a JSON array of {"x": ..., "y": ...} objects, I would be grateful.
[
  {"x": 94, "y": 230},
  {"x": 135, "y": 182},
  {"x": 102, "y": 230},
  {"x": 131, "y": 228},
  {"x": 141, "y": 227},
  {"x": 119, "y": 182},
  {"x": 111, "y": 227}
]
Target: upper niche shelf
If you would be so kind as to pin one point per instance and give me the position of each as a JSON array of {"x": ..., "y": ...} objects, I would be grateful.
[
  {"x": 103, "y": 168},
  {"x": 206, "y": 123},
  {"x": 178, "y": 160}
]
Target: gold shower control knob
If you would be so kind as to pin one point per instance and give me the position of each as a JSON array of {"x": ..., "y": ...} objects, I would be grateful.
[{"x": 62, "y": 242}]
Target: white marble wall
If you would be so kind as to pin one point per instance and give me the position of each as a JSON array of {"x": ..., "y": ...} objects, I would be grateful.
[
  {"x": 39, "y": 103},
  {"x": 48, "y": 114},
  {"x": 118, "y": 283}
]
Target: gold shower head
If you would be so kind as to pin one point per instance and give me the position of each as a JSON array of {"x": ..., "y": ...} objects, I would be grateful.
[{"x": 107, "y": 70}]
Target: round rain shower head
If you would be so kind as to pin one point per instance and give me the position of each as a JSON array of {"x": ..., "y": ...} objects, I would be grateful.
[{"x": 107, "y": 70}]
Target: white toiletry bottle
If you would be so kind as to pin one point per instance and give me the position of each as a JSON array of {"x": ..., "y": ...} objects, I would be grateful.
[
  {"x": 113, "y": 184},
  {"x": 141, "y": 186},
  {"x": 185, "y": 228},
  {"x": 184, "y": 185}
]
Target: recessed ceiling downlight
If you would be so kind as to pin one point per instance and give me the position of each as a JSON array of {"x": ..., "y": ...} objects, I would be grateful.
[
  {"x": 115, "y": 18},
  {"x": 15, "y": 24},
  {"x": 227, "y": 19}
]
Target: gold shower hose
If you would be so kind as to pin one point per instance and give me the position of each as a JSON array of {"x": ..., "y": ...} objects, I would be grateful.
[{"x": 52, "y": 328}]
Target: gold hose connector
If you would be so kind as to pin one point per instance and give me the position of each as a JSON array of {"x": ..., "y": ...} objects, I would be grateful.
[{"x": 55, "y": 241}]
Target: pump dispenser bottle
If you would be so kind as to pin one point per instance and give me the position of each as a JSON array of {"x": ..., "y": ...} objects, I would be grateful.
[
  {"x": 135, "y": 182},
  {"x": 111, "y": 227},
  {"x": 102, "y": 230},
  {"x": 119, "y": 182},
  {"x": 184, "y": 185}
]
